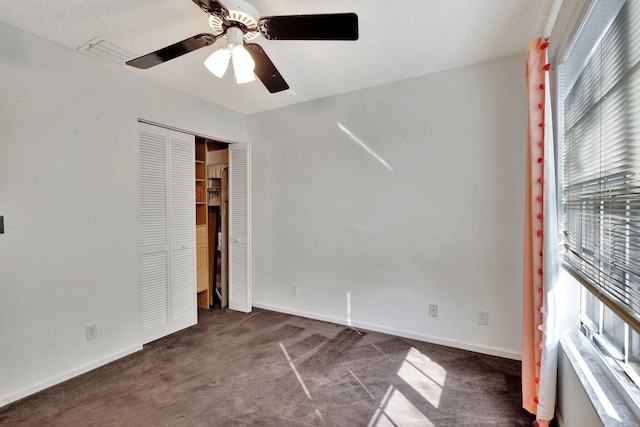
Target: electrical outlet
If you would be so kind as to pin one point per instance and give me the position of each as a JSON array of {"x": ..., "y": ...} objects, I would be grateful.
[
  {"x": 483, "y": 318},
  {"x": 294, "y": 290},
  {"x": 92, "y": 331},
  {"x": 433, "y": 310}
]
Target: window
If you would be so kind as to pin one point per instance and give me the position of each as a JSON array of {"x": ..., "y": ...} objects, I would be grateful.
[{"x": 599, "y": 132}]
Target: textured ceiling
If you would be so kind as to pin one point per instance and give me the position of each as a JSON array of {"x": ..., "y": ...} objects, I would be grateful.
[{"x": 398, "y": 40}]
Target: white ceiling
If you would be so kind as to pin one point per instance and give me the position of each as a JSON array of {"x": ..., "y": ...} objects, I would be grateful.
[{"x": 398, "y": 40}]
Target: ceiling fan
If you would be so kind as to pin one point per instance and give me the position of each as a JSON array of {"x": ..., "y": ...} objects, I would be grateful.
[{"x": 238, "y": 23}]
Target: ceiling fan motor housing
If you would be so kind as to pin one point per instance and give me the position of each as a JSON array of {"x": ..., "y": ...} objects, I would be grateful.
[{"x": 239, "y": 14}]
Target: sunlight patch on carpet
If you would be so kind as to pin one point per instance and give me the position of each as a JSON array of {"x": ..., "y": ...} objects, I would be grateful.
[
  {"x": 295, "y": 371},
  {"x": 426, "y": 377},
  {"x": 396, "y": 410}
]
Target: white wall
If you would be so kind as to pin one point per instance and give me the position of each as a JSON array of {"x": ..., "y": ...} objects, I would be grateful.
[
  {"x": 69, "y": 196},
  {"x": 436, "y": 218}
]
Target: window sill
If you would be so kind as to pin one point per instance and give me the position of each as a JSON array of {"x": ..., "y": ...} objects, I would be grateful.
[{"x": 598, "y": 382}]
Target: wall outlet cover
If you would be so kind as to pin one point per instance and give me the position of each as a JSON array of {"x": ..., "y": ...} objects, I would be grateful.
[
  {"x": 92, "y": 331},
  {"x": 433, "y": 310},
  {"x": 483, "y": 318}
]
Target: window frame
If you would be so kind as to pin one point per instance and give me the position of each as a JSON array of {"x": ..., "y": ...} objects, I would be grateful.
[{"x": 627, "y": 375}]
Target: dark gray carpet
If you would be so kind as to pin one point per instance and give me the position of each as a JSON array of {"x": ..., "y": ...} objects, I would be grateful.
[{"x": 273, "y": 369}]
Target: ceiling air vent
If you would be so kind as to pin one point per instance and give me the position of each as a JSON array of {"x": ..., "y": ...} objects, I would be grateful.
[{"x": 106, "y": 50}]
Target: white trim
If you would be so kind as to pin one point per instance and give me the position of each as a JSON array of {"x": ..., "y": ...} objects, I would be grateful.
[
  {"x": 57, "y": 379},
  {"x": 493, "y": 351},
  {"x": 603, "y": 391},
  {"x": 553, "y": 16},
  {"x": 169, "y": 127},
  {"x": 591, "y": 27}
]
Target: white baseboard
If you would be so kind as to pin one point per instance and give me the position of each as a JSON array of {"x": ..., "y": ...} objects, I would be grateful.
[
  {"x": 478, "y": 348},
  {"x": 57, "y": 379}
]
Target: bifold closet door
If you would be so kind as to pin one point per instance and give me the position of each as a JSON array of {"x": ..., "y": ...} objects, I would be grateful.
[
  {"x": 240, "y": 227},
  {"x": 167, "y": 231},
  {"x": 183, "y": 297}
]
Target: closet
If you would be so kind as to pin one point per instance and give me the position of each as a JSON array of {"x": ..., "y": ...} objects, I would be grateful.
[{"x": 195, "y": 231}]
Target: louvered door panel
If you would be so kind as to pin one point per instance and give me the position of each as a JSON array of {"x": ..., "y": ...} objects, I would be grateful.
[
  {"x": 240, "y": 227},
  {"x": 153, "y": 188},
  {"x": 154, "y": 233},
  {"x": 183, "y": 231},
  {"x": 183, "y": 226},
  {"x": 183, "y": 289},
  {"x": 155, "y": 302}
]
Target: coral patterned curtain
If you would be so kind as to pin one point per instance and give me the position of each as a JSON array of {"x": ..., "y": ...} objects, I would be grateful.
[{"x": 541, "y": 266}]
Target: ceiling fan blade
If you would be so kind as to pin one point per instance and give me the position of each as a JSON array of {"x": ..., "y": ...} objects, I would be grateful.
[
  {"x": 173, "y": 51},
  {"x": 212, "y": 6},
  {"x": 265, "y": 70},
  {"x": 335, "y": 26}
]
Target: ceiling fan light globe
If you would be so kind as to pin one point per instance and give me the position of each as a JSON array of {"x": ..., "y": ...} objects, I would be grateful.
[
  {"x": 218, "y": 62},
  {"x": 243, "y": 65}
]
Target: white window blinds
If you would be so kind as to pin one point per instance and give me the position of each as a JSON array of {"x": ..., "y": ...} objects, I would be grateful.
[{"x": 600, "y": 95}]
